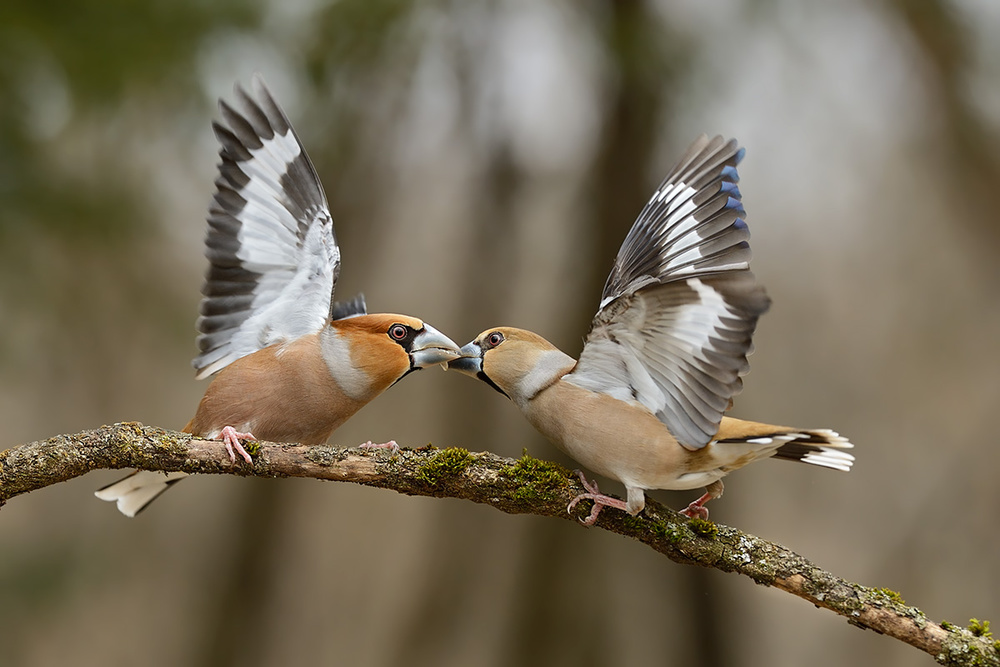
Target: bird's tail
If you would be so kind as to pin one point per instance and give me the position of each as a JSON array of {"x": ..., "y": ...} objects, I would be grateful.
[
  {"x": 134, "y": 492},
  {"x": 748, "y": 441},
  {"x": 821, "y": 447}
]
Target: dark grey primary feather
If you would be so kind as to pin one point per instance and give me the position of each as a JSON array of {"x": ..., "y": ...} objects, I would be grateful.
[
  {"x": 698, "y": 201},
  {"x": 680, "y": 307},
  {"x": 271, "y": 246},
  {"x": 341, "y": 309}
]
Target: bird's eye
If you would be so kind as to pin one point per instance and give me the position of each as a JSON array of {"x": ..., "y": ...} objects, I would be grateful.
[
  {"x": 494, "y": 339},
  {"x": 398, "y": 332}
]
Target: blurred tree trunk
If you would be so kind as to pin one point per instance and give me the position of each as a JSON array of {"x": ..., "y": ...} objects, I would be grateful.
[{"x": 646, "y": 61}]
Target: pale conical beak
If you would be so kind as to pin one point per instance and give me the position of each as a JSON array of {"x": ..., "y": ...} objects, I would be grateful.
[
  {"x": 432, "y": 347},
  {"x": 471, "y": 361}
]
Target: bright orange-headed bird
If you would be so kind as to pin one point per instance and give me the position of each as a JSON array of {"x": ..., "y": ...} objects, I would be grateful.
[
  {"x": 665, "y": 354},
  {"x": 290, "y": 364}
]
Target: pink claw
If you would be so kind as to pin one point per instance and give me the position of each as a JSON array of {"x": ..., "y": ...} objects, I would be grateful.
[
  {"x": 232, "y": 437},
  {"x": 697, "y": 508},
  {"x": 391, "y": 446},
  {"x": 600, "y": 500}
]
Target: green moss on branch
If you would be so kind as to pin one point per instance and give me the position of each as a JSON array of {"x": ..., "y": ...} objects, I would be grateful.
[{"x": 527, "y": 485}]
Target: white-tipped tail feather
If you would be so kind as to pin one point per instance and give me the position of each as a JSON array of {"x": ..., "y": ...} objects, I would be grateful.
[
  {"x": 137, "y": 490},
  {"x": 821, "y": 447}
]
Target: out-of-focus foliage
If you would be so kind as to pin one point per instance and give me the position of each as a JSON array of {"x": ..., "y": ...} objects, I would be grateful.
[{"x": 63, "y": 63}]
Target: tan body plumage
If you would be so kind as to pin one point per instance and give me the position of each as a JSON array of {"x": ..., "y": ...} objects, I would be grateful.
[
  {"x": 644, "y": 404},
  {"x": 288, "y": 364},
  {"x": 302, "y": 391}
]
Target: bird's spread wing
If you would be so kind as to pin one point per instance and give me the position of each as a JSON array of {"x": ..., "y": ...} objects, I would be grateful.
[
  {"x": 271, "y": 246},
  {"x": 680, "y": 306}
]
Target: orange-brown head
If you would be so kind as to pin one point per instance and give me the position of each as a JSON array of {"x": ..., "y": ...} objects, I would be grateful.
[{"x": 369, "y": 353}]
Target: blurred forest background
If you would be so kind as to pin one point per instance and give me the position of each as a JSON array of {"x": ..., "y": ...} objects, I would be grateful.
[{"x": 500, "y": 151}]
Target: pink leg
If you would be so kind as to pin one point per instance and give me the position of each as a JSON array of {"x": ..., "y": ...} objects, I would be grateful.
[
  {"x": 391, "y": 445},
  {"x": 697, "y": 508},
  {"x": 232, "y": 437},
  {"x": 600, "y": 501}
]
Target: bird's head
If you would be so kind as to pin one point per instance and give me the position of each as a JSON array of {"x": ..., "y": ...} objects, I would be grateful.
[
  {"x": 515, "y": 362},
  {"x": 382, "y": 348}
]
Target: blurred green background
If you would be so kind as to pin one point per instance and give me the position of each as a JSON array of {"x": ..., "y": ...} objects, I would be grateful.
[{"x": 500, "y": 151}]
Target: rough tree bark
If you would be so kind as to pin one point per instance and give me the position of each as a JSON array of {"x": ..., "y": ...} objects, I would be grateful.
[{"x": 523, "y": 486}]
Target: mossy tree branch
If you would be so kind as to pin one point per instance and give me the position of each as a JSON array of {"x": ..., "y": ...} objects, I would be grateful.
[{"x": 524, "y": 486}]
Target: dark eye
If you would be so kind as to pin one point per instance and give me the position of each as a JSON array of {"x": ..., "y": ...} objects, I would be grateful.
[
  {"x": 398, "y": 331},
  {"x": 494, "y": 339}
]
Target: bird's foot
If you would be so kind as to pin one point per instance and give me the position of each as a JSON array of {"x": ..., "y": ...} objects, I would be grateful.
[
  {"x": 600, "y": 500},
  {"x": 697, "y": 508},
  {"x": 232, "y": 437},
  {"x": 391, "y": 446}
]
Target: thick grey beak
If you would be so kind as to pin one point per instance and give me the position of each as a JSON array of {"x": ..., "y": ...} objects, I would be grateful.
[
  {"x": 471, "y": 361},
  {"x": 432, "y": 347}
]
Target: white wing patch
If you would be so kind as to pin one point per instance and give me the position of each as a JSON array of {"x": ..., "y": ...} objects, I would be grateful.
[
  {"x": 679, "y": 309},
  {"x": 695, "y": 322},
  {"x": 271, "y": 245},
  {"x": 302, "y": 304},
  {"x": 678, "y": 349}
]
